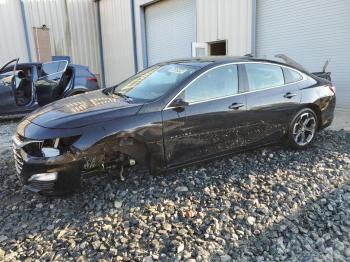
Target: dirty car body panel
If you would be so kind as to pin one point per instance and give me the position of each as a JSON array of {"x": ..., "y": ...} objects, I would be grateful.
[{"x": 169, "y": 115}]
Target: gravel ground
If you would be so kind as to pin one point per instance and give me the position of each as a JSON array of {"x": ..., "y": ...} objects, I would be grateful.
[{"x": 268, "y": 204}]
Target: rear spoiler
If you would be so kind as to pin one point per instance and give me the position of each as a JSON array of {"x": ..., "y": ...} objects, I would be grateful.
[
  {"x": 324, "y": 74},
  {"x": 289, "y": 61}
]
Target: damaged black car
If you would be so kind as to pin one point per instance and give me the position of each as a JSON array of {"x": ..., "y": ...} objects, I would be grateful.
[
  {"x": 170, "y": 115},
  {"x": 24, "y": 87}
]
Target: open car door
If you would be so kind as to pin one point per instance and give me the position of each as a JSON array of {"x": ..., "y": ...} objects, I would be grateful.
[
  {"x": 8, "y": 87},
  {"x": 48, "y": 85}
]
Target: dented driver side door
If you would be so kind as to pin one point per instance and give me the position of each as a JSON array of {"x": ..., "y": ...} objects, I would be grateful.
[{"x": 206, "y": 119}]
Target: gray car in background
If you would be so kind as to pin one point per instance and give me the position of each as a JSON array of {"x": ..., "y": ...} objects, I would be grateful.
[{"x": 27, "y": 86}]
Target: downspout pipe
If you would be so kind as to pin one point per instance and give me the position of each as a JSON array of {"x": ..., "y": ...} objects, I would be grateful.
[
  {"x": 143, "y": 37},
  {"x": 132, "y": 7},
  {"x": 100, "y": 43},
  {"x": 26, "y": 35},
  {"x": 254, "y": 14}
]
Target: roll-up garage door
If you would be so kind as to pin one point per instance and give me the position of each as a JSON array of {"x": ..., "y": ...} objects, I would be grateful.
[
  {"x": 310, "y": 32},
  {"x": 170, "y": 29}
]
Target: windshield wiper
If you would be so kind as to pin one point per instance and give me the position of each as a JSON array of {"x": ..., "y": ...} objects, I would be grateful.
[
  {"x": 109, "y": 90},
  {"x": 126, "y": 97}
]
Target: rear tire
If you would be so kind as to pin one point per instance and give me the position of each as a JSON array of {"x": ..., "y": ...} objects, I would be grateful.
[{"x": 302, "y": 130}]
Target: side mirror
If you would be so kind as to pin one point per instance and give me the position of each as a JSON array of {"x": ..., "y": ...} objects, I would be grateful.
[{"x": 179, "y": 104}]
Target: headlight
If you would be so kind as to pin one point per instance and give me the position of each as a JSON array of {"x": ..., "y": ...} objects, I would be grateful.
[
  {"x": 61, "y": 142},
  {"x": 54, "y": 147},
  {"x": 44, "y": 177},
  {"x": 50, "y": 152}
]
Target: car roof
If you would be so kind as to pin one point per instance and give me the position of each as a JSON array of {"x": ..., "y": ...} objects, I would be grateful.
[
  {"x": 30, "y": 64},
  {"x": 216, "y": 60},
  {"x": 21, "y": 65}
]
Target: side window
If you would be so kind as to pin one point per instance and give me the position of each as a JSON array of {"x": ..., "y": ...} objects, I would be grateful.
[
  {"x": 291, "y": 76},
  {"x": 216, "y": 83},
  {"x": 262, "y": 76}
]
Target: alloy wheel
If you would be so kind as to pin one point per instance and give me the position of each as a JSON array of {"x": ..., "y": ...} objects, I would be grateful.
[{"x": 304, "y": 129}]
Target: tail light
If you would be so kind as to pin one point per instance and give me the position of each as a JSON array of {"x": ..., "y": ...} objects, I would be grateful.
[
  {"x": 92, "y": 79},
  {"x": 332, "y": 88}
]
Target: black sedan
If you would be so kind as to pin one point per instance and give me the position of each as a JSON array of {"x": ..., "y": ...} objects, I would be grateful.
[
  {"x": 26, "y": 86},
  {"x": 170, "y": 115}
]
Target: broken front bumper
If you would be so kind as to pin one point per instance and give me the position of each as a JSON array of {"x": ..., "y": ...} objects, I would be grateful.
[{"x": 55, "y": 173}]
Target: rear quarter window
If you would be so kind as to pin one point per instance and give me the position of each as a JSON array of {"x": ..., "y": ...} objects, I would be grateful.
[{"x": 291, "y": 76}]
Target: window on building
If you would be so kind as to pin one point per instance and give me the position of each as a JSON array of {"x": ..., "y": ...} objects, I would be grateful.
[{"x": 217, "y": 48}]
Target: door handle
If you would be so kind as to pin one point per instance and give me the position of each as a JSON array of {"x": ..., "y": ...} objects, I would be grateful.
[
  {"x": 236, "y": 106},
  {"x": 289, "y": 95}
]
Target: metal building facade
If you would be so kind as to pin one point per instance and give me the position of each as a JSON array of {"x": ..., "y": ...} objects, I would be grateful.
[
  {"x": 116, "y": 31},
  {"x": 72, "y": 26},
  {"x": 315, "y": 31},
  {"x": 229, "y": 20},
  {"x": 225, "y": 19},
  {"x": 170, "y": 30},
  {"x": 74, "y": 30},
  {"x": 12, "y": 43}
]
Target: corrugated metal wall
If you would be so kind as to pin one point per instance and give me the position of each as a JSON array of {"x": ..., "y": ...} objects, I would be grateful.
[
  {"x": 84, "y": 33},
  {"x": 73, "y": 28},
  {"x": 117, "y": 40},
  {"x": 318, "y": 30},
  {"x": 225, "y": 20},
  {"x": 72, "y": 24},
  {"x": 53, "y": 14},
  {"x": 138, "y": 27},
  {"x": 170, "y": 30},
  {"x": 12, "y": 41},
  {"x": 216, "y": 20}
]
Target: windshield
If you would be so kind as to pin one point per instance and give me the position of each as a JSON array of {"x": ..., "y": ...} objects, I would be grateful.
[{"x": 155, "y": 81}]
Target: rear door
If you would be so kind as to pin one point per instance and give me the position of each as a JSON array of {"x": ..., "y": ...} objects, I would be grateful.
[
  {"x": 272, "y": 100},
  {"x": 211, "y": 120},
  {"x": 49, "y": 80}
]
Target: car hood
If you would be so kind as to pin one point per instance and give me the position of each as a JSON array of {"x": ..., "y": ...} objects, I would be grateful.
[{"x": 83, "y": 110}]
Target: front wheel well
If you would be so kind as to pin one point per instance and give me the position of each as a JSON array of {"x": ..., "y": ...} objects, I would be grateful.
[{"x": 130, "y": 147}]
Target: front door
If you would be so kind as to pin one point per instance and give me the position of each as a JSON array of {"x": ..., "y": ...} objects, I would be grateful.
[
  {"x": 272, "y": 101},
  {"x": 205, "y": 119},
  {"x": 49, "y": 81},
  {"x": 7, "y": 93}
]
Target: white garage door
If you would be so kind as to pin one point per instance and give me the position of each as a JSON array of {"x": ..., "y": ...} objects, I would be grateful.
[
  {"x": 170, "y": 29},
  {"x": 310, "y": 32}
]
